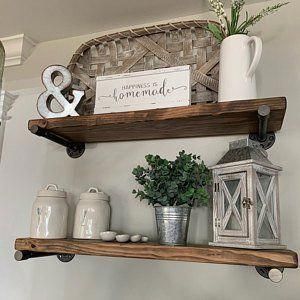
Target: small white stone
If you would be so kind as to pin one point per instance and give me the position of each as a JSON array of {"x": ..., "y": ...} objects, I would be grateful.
[
  {"x": 122, "y": 238},
  {"x": 135, "y": 238},
  {"x": 108, "y": 236},
  {"x": 145, "y": 239}
]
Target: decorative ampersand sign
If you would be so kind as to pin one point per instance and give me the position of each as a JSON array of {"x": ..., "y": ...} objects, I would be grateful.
[{"x": 56, "y": 92}]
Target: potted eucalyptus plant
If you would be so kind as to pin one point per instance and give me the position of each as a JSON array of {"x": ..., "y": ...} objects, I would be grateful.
[
  {"x": 237, "y": 67},
  {"x": 173, "y": 188}
]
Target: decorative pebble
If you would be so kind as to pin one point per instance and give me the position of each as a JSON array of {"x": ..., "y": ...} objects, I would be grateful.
[
  {"x": 135, "y": 238},
  {"x": 145, "y": 239},
  {"x": 108, "y": 236},
  {"x": 122, "y": 238}
]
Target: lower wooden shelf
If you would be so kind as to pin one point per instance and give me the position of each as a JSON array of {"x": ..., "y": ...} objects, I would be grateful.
[{"x": 195, "y": 253}]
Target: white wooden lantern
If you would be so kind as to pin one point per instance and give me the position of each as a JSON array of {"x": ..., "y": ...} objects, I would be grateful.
[{"x": 245, "y": 198}]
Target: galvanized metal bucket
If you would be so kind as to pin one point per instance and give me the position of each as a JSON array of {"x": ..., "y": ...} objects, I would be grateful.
[{"x": 172, "y": 224}]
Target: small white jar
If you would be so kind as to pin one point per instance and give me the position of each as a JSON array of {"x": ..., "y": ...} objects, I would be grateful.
[
  {"x": 92, "y": 215},
  {"x": 49, "y": 217}
]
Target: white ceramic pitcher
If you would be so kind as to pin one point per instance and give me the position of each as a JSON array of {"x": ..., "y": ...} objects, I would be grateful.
[{"x": 237, "y": 67}]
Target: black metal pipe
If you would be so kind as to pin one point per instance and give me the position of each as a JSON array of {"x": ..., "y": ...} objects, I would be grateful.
[
  {"x": 24, "y": 254},
  {"x": 263, "y": 117},
  {"x": 51, "y": 136},
  {"x": 74, "y": 149}
]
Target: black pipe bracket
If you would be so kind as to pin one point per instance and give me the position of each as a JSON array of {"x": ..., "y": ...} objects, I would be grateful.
[
  {"x": 74, "y": 149},
  {"x": 265, "y": 138},
  {"x": 21, "y": 255}
]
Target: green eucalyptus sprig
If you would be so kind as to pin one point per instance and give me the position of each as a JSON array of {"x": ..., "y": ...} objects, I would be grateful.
[
  {"x": 183, "y": 181},
  {"x": 228, "y": 27}
]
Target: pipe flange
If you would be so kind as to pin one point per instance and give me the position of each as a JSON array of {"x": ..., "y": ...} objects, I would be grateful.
[
  {"x": 267, "y": 143},
  {"x": 75, "y": 150},
  {"x": 65, "y": 257}
]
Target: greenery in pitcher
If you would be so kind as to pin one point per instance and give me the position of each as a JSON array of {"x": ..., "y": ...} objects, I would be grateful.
[
  {"x": 227, "y": 27},
  {"x": 183, "y": 181}
]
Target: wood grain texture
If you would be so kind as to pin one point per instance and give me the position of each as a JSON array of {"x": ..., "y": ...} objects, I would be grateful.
[
  {"x": 211, "y": 119},
  {"x": 199, "y": 253}
]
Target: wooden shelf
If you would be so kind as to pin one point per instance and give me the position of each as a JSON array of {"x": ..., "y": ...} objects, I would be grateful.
[
  {"x": 199, "y": 253},
  {"x": 225, "y": 118}
]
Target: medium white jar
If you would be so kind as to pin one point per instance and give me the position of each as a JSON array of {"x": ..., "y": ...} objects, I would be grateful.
[
  {"x": 49, "y": 218},
  {"x": 92, "y": 215}
]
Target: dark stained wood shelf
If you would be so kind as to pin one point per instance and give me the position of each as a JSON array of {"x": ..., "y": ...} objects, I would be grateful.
[
  {"x": 199, "y": 253},
  {"x": 225, "y": 118}
]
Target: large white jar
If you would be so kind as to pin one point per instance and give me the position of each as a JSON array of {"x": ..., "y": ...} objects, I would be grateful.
[
  {"x": 49, "y": 218},
  {"x": 92, "y": 215}
]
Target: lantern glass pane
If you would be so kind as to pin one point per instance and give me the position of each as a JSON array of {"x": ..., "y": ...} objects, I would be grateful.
[
  {"x": 226, "y": 204},
  {"x": 233, "y": 204},
  {"x": 238, "y": 204},
  {"x": 264, "y": 180},
  {"x": 232, "y": 185},
  {"x": 233, "y": 223},
  {"x": 272, "y": 202},
  {"x": 266, "y": 231},
  {"x": 259, "y": 204},
  {"x": 265, "y": 206}
]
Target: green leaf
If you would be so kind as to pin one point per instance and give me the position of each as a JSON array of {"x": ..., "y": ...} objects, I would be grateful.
[{"x": 215, "y": 30}]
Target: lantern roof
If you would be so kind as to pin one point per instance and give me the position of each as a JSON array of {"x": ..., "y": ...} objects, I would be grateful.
[{"x": 245, "y": 151}]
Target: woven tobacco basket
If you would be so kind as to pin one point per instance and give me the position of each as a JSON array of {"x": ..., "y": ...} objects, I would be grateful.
[{"x": 162, "y": 46}]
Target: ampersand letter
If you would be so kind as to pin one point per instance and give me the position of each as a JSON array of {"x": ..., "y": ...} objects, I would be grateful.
[{"x": 56, "y": 92}]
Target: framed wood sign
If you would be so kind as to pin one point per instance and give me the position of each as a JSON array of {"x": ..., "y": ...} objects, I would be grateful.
[{"x": 160, "y": 88}]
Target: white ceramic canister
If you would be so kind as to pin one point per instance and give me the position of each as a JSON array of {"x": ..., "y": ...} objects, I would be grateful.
[
  {"x": 237, "y": 67},
  {"x": 92, "y": 215},
  {"x": 49, "y": 218}
]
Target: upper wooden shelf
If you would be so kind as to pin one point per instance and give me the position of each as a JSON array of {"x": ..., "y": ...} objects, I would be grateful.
[
  {"x": 199, "y": 253},
  {"x": 225, "y": 118}
]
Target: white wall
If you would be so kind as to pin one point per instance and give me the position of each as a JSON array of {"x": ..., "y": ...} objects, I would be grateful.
[{"x": 29, "y": 162}]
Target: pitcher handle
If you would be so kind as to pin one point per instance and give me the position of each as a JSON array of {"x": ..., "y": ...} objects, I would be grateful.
[{"x": 257, "y": 54}]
